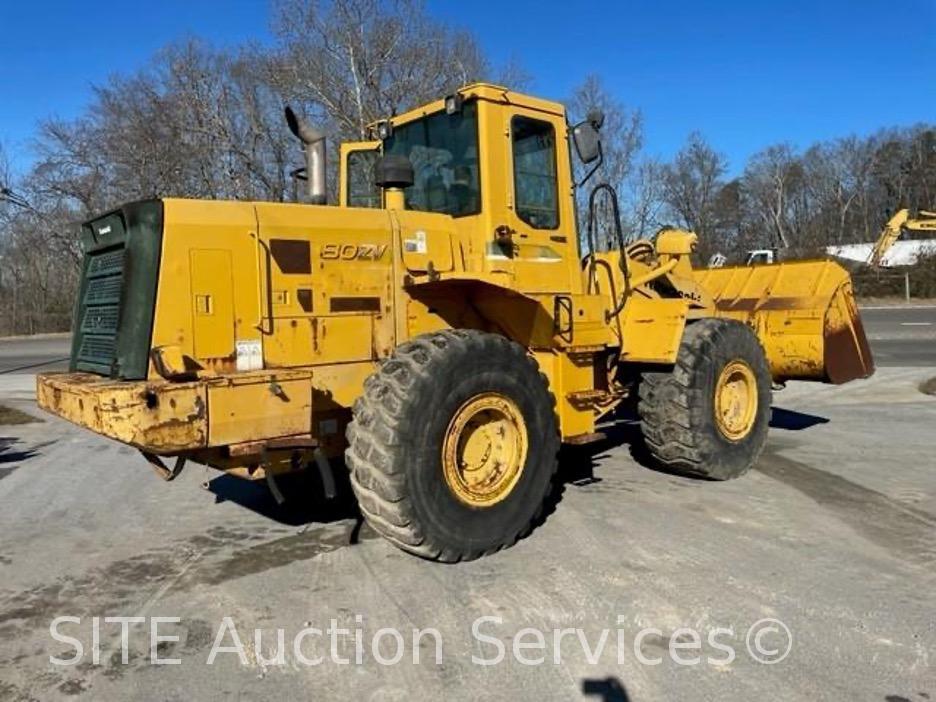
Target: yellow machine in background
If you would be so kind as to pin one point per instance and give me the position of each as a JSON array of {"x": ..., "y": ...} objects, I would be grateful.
[
  {"x": 898, "y": 224},
  {"x": 439, "y": 328}
]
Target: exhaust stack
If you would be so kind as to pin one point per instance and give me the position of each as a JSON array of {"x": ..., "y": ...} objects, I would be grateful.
[{"x": 313, "y": 144}]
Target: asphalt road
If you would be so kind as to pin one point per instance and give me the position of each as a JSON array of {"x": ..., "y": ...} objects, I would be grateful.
[
  {"x": 832, "y": 536},
  {"x": 901, "y": 336},
  {"x": 33, "y": 354}
]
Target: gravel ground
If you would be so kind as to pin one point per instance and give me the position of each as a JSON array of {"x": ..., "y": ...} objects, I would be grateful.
[{"x": 832, "y": 535}]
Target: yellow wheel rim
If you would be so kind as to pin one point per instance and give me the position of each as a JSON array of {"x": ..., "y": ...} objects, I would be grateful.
[
  {"x": 736, "y": 400},
  {"x": 484, "y": 450}
]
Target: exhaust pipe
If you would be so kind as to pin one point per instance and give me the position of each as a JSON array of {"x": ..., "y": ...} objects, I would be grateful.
[{"x": 313, "y": 144}]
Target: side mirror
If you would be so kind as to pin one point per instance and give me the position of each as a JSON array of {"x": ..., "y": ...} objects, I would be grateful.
[{"x": 587, "y": 142}]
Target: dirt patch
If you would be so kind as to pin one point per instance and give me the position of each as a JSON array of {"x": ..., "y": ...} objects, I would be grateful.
[
  {"x": 899, "y": 528},
  {"x": 928, "y": 387},
  {"x": 9, "y": 416}
]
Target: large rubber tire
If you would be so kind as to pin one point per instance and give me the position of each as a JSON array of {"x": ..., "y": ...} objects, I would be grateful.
[
  {"x": 396, "y": 437},
  {"x": 677, "y": 408}
]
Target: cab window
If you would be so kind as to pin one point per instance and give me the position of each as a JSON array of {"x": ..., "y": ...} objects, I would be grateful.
[
  {"x": 534, "y": 163},
  {"x": 362, "y": 192},
  {"x": 443, "y": 149}
]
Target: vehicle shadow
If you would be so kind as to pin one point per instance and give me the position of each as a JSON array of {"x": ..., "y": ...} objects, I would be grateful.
[
  {"x": 792, "y": 420},
  {"x": 577, "y": 463},
  {"x": 622, "y": 428},
  {"x": 608, "y": 689},
  {"x": 306, "y": 503},
  {"x": 9, "y": 454},
  {"x": 305, "y": 497}
]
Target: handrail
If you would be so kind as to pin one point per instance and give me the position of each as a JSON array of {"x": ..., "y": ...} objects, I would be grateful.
[
  {"x": 637, "y": 282},
  {"x": 260, "y": 281}
]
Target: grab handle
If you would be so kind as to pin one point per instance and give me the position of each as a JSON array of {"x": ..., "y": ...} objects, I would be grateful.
[{"x": 261, "y": 279}]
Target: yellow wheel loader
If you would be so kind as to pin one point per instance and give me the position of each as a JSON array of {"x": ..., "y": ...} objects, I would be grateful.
[{"x": 439, "y": 329}]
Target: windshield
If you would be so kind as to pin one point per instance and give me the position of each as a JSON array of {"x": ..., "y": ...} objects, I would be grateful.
[{"x": 443, "y": 149}]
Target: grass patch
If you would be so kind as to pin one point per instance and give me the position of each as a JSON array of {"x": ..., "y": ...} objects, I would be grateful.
[
  {"x": 9, "y": 416},
  {"x": 928, "y": 387}
]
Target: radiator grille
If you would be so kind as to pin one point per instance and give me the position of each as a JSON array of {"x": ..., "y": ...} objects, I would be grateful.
[
  {"x": 98, "y": 347},
  {"x": 100, "y": 311},
  {"x": 104, "y": 290},
  {"x": 100, "y": 319},
  {"x": 113, "y": 323},
  {"x": 106, "y": 263}
]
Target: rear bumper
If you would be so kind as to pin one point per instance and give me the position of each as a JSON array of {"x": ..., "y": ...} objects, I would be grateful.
[
  {"x": 157, "y": 417},
  {"x": 169, "y": 418}
]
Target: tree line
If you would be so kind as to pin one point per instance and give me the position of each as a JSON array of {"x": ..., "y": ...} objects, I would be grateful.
[
  {"x": 204, "y": 122},
  {"x": 832, "y": 192}
]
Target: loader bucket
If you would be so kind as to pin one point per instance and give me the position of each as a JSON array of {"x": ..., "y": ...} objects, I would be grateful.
[{"x": 804, "y": 314}]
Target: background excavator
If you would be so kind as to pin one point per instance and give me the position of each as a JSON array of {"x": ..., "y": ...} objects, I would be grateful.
[{"x": 898, "y": 225}]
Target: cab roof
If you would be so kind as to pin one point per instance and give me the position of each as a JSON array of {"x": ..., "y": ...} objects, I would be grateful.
[{"x": 481, "y": 91}]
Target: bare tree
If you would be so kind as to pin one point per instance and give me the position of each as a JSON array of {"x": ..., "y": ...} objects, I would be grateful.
[
  {"x": 837, "y": 174},
  {"x": 355, "y": 61},
  {"x": 770, "y": 178},
  {"x": 194, "y": 123},
  {"x": 5, "y": 169},
  {"x": 904, "y": 171},
  {"x": 621, "y": 133},
  {"x": 691, "y": 184},
  {"x": 646, "y": 197},
  {"x": 207, "y": 123},
  {"x": 621, "y": 139}
]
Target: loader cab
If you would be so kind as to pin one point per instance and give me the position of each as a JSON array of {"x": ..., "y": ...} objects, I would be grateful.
[{"x": 496, "y": 164}]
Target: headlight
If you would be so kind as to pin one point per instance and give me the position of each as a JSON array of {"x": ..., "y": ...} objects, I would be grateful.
[{"x": 453, "y": 104}]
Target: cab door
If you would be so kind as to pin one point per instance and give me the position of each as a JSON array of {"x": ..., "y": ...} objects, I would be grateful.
[
  {"x": 540, "y": 226},
  {"x": 356, "y": 186}
]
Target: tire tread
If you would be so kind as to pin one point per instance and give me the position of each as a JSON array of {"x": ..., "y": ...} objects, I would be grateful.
[{"x": 379, "y": 423}]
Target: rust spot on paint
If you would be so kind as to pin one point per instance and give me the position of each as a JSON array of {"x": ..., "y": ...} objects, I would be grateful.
[
  {"x": 751, "y": 304},
  {"x": 221, "y": 365},
  {"x": 743, "y": 304}
]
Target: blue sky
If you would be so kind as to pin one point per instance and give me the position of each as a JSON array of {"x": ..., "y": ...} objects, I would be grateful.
[{"x": 745, "y": 74}]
